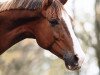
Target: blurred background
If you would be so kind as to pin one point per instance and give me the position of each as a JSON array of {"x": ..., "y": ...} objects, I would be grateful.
[{"x": 27, "y": 58}]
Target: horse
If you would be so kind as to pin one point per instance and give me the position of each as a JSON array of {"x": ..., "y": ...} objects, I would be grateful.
[{"x": 44, "y": 21}]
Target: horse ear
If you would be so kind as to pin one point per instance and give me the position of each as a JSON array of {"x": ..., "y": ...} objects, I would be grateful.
[
  {"x": 47, "y": 3},
  {"x": 63, "y": 1}
]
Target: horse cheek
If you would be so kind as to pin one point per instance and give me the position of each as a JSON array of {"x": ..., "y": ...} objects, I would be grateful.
[{"x": 45, "y": 39}]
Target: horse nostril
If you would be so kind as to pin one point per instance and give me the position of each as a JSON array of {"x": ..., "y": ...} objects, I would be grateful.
[{"x": 76, "y": 58}]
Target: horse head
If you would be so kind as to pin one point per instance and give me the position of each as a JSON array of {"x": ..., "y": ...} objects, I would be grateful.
[{"x": 56, "y": 35}]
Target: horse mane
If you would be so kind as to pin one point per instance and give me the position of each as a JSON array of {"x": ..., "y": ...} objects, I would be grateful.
[
  {"x": 20, "y": 4},
  {"x": 29, "y": 4},
  {"x": 55, "y": 8}
]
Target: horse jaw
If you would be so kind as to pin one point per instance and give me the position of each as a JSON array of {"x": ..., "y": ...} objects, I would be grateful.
[{"x": 76, "y": 45}]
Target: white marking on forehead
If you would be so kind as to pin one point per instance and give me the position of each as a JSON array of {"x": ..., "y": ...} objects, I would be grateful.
[{"x": 76, "y": 45}]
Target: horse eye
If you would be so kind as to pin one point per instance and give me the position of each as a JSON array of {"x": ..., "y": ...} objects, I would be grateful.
[{"x": 54, "y": 22}]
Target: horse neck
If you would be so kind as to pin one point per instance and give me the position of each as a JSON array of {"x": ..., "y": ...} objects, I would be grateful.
[{"x": 16, "y": 26}]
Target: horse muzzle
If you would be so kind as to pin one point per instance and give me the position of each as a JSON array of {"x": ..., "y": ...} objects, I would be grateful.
[{"x": 71, "y": 61}]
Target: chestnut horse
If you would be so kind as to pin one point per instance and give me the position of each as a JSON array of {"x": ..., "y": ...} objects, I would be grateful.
[{"x": 44, "y": 21}]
